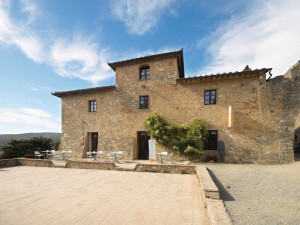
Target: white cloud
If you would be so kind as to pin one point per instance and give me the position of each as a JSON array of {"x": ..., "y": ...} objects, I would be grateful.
[
  {"x": 35, "y": 87},
  {"x": 19, "y": 34},
  {"x": 30, "y": 9},
  {"x": 140, "y": 16},
  {"x": 80, "y": 58},
  {"x": 267, "y": 36},
  {"x": 27, "y": 120}
]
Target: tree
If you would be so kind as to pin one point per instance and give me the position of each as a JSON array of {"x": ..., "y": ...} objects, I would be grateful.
[{"x": 20, "y": 148}]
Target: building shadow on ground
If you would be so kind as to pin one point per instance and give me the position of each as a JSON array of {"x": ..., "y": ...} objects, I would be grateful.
[{"x": 224, "y": 194}]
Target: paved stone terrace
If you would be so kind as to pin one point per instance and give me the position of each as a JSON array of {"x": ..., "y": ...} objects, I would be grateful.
[{"x": 38, "y": 195}]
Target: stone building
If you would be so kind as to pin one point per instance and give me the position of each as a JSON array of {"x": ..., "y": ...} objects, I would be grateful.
[{"x": 252, "y": 118}]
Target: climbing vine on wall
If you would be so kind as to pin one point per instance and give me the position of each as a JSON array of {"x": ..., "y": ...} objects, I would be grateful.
[{"x": 184, "y": 139}]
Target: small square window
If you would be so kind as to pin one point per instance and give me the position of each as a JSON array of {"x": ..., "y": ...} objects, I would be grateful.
[
  {"x": 145, "y": 73},
  {"x": 144, "y": 100},
  {"x": 92, "y": 106},
  {"x": 210, "y": 97}
]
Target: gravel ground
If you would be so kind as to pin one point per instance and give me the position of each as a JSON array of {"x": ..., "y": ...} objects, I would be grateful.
[{"x": 260, "y": 194}]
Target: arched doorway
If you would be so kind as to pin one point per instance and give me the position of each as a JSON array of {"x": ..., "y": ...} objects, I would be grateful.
[{"x": 297, "y": 139}]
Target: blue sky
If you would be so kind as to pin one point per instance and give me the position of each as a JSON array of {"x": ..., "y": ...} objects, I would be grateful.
[{"x": 57, "y": 45}]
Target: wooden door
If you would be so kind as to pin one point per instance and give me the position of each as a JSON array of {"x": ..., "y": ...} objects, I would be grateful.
[
  {"x": 94, "y": 140},
  {"x": 143, "y": 145}
]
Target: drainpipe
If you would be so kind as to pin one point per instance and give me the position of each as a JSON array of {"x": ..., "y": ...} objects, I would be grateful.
[{"x": 270, "y": 75}]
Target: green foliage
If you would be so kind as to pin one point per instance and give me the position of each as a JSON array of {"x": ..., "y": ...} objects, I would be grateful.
[
  {"x": 5, "y": 138},
  {"x": 56, "y": 145},
  {"x": 187, "y": 140},
  {"x": 20, "y": 148}
]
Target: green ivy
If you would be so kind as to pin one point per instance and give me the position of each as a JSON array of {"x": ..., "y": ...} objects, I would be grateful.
[{"x": 184, "y": 139}]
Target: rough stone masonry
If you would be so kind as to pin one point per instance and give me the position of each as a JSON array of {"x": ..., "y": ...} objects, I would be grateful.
[{"x": 254, "y": 116}]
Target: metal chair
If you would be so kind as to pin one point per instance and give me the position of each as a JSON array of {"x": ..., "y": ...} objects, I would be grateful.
[
  {"x": 119, "y": 155},
  {"x": 38, "y": 155},
  {"x": 54, "y": 155},
  {"x": 68, "y": 154},
  {"x": 110, "y": 156},
  {"x": 100, "y": 155},
  {"x": 89, "y": 155},
  {"x": 170, "y": 158}
]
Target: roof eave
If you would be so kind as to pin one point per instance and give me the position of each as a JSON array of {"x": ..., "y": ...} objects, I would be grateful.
[
  {"x": 178, "y": 54},
  {"x": 225, "y": 75},
  {"x": 61, "y": 94}
]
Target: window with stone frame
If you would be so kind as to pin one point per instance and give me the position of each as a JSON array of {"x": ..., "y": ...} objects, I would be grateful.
[
  {"x": 92, "y": 105},
  {"x": 145, "y": 73},
  {"x": 144, "y": 102},
  {"x": 211, "y": 140},
  {"x": 210, "y": 97}
]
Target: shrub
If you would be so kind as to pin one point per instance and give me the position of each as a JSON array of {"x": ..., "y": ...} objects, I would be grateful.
[
  {"x": 184, "y": 139},
  {"x": 20, "y": 148}
]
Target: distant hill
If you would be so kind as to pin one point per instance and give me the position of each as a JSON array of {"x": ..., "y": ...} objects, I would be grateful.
[{"x": 5, "y": 138}]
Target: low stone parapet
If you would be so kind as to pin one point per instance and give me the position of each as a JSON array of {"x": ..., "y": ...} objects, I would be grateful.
[
  {"x": 217, "y": 212},
  {"x": 8, "y": 163},
  {"x": 208, "y": 185},
  {"x": 90, "y": 165},
  {"x": 25, "y": 162},
  {"x": 34, "y": 162},
  {"x": 157, "y": 168}
]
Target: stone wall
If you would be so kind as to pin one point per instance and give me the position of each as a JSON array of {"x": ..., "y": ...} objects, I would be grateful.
[
  {"x": 35, "y": 162},
  {"x": 25, "y": 162},
  {"x": 8, "y": 163},
  {"x": 290, "y": 119},
  {"x": 174, "y": 169},
  {"x": 263, "y": 112},
  {"x": 90, "y": 165}
]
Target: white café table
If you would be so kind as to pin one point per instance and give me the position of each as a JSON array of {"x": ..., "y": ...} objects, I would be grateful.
[
  {"x": 115, "y": 155},
  {"x": 162, "y": 154}
]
